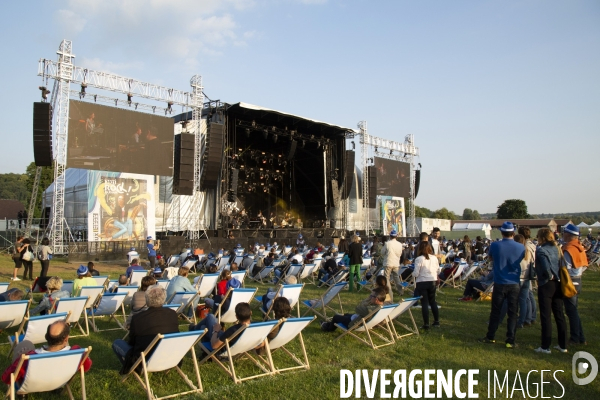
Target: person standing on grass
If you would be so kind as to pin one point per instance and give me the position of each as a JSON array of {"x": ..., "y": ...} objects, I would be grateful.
[
  {"x": 506, "y": 256},
  {"x": 355, "y": 255},
  {"x": 547, "y": 266},
  {"x": 425, "y": 273},
  {"x": 18, "y": 246},
  {"x": 531, "y": 316},
  {"x": 575, "y": 259},
  {"x": 27, "y": 264},
  {"x": 392, "y": 252},
  {"x": 44, "y": 255}
]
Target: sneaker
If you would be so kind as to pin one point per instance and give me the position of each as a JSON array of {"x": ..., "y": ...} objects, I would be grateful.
[
  {"x": 557, "y": 347},
  {"x": 510, "y": 346},
  {"x": 543, "y": 351},
  {"x": 486, "y": 340},
  {"x": 424, "y": 327},
  {"x": 16, "y": 279},
  {"x": 466, "y": 298},
  {"x": 520, "y": 326},
  {"x": 436, "y": 324}
]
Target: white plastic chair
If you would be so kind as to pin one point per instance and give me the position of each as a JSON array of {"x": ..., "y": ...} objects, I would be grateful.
[
  {"x": 109, "y": 305},
  {"x": 237, "y": 296}
]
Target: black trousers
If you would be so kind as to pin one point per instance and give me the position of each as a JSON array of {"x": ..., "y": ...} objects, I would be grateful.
[
  {"x": 510, "y": 293},
  {"x": 427, "y": 290},
  {"x": 473, "y": 284},
  {"x": 28, "y": 267},
  {"x": 152, "y": 260},
  {"x": 550, "y": 299},
  {"x": 45, "y": 265}
]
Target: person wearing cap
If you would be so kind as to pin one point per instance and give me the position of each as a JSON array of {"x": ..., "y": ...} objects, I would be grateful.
[
  {"x": 391, "y": 253},
  {"x": 575, "y": 258},
  {"x": 132, "y": 254},
  {"x": 300, "y": 242},
  {"x": 135, "y": 266},
  {"x": 247, "y": 261},
  {"x": 152, "y": 251},
  {"x": 84, "y": 278},
  {"x": 506, "y": 256},
  {"x": 355, "y": 254},
  {"x": 157, "y": 273}
]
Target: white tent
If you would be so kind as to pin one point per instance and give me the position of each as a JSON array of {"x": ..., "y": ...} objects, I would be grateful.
[
  {"x": 583, "y": 225},
  {"x": 479, "y": 226},
  {"x": 595, "y": 225}
]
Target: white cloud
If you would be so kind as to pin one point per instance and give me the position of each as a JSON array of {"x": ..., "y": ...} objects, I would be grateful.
[{"x": 69, "y": 22}]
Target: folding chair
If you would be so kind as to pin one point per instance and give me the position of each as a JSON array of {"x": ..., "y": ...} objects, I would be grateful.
[
  {"x": 237, "y": 296},
  {"x": 36, "y": 329},
  {"x": 173, "y": 260},
  {"x": 290, "y": 329},
  {"x": 308, "y": 273},
  {"x": 111, "y": 285},
  {"x": 135, "y": 279},
  {"x": 290, "y": 292},
  {"x": 4, "y": 287},
  {"x": 339, "y": 277},
  {"x": 191, "y": 264},
  {"x": 12, "y": 313},
  {"x": 42, "y": 374},
  {"x": 163, "y": 283},
  {"x": 487, "y": 293},
  {"x": 240, "y": 276},
  {"x": 291, "y": 270},
  {"x": 451, "y": 280},
  {"x": 109, "y": 305},
  {"x": 223, "y": 262},
  {"x": 404, "y": 307},
  {"x": 93, "y": 293},
  {"x": 75, "y": 306},
  {"x": 317, "y": 261},
  {"x": 101, "y": 280},
  {"x": 367, "y": 283},
  {"x": 186, "y": 300},
  {"x": 165, "y": 353},
  {"x": 39, "y": 286},
  {"x": 467, "y": 273},
  {"x": 248, "y": 338},
  {"x": 323, "y": 302},
  {"x": 263, "y": 274},
  {"x": 129, "y": 291},
  {"x": 207, "y": 284},
  {"x": 367, "y": 325}
]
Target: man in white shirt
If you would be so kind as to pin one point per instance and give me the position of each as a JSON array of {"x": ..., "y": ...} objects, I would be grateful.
[
  {"x": 391, "y": 252},
  {"x": 132, "y": 254}
]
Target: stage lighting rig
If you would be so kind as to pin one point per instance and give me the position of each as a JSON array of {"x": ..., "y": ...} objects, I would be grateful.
[
  {"x": 274, "y": 138},
  {"x": 169, "y": 108},
  {"x": 129, "y": 97},
  {"x": 82, "y": 92},
  {"x": 303, "y": 143},
  {"x": 391, "y": 152},
  {"x": 353, "y": 145},
  {"x": 45, "y": 92}
]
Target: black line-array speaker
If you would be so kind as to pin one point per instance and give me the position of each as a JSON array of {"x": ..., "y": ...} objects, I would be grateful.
[
  {"x": 335, "y": 193},
  {"x": 183, "y": 164},
  {"x": 372, "y": 186},
  {"x": 42, "y": 134},
  {"x": 348, "y": 174},
  {"x": 211, "y": 156},
  {"x": 417, "y": 182},
  {"x": 233, "y": 184},
  {"x": 292, "y": 149}
]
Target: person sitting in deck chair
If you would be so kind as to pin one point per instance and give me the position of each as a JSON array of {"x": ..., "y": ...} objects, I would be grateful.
[
  {"x": 271, "y": 292},
  {"x": 225, "y": 283},
  {"x": 482, "y": 284},
  {"x": 331, "y": 272},
  {"x": 54, "y": 293},
  {"x": 281, "y": 309},
  {"x": 13, "y": 294},
  {"x": 121, "y": 282},
  {"x": 138, "y": 300},
  {"x": 382, "y": 282},
  {"x": 57, "y": 336},
  {"x": 134, "y": 266},
  {"x": 364, "y": 308}
]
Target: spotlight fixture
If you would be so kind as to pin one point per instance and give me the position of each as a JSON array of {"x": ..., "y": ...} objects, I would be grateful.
[
  {"x": 303, "y": 143},
  {"x": 353, "y": 145},
  {"x": 376, "y": 149},
  {"x": 169, "y": 107},
  {"x": 95, "y": 96},
  {"x": 45, "y": 92},
  {"x": 247, "y": 132},
  {"x": 253, "y": 123},
  {"x": 274, "y": 128},
  {"x": 318, "y": 144},
  {"x": 82, "y": 93},
  {"x": 129, "y": 96},
  {"x": 391, "y": 152}
]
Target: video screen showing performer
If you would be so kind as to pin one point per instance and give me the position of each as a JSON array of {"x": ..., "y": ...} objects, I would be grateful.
[
  {"x": 112, "y": 139},
  {"x": 393, "y": 177}
]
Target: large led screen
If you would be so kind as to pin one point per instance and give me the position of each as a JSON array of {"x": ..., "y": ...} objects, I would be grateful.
[
  {"x": 393, "y": 177},
  {"x": 113, "y": 139}
]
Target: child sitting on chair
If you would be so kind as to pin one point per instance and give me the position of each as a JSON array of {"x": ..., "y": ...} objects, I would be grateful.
[
  {"x": 373, "y": 303},
  {"x": 382, "y": 282}
]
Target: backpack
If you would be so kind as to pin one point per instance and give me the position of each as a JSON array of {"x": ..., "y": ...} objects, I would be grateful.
[{"x": 40, "y": 254}]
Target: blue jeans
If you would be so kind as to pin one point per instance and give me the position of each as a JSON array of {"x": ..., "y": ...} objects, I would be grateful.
[
  {"x": 532, "y": 309},
  {"x": 523, "y": 302},
  {"x": 207, "y": 323},
  {"x": 503, "y": 292},
  {"x": 121, "y": 347},
  {"x": 575, "y": 326}
]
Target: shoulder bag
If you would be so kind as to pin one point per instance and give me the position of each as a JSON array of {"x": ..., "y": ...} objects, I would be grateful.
[{"x": 566, "y": 284}]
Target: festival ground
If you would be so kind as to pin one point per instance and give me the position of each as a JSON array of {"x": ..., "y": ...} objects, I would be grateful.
[{"x": 453, "y": 346}]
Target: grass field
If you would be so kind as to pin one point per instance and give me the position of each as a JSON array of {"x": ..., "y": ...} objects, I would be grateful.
[{"x": 453, "y": 346}]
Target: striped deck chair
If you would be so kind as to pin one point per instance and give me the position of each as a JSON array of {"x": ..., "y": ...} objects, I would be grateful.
[
  {"x": 317, "y": 261},
  {"x": 68, "y": 286},
  {"x": 367, "y": 327},
  {"x": 93, "y": 293},
  {"x": 4, "y": 287},
  {"x": 43, "y": 376},
  {"x": 485, "y": 294},
  {"x": 453, "y": 278},
  {"x": 191, "y": 264},
  {"x": 240, "y": 276},
  {"x": 263, "y": 274},
  {"x": 163, "y": 283},
  {"x": 369, "y": 283},
  {"x": 291, "y": 270},
  {"x": 289, "y": 330},
  {"x": 308, "y": 272},
  {"x": 12, "y": 313},
  {"x": 186, "y": 300},
  {"x": 76, "y": 307},
  {"x": 101, "y": 280},
  {"x": 167, "y": 351},
  {"x": 237, "y": 296},
  {"x": 321, "y": 305},
  {"x": 108, "y": 305},
  {"x": 206, "y": 284},
  {"x": 223, "y": 261},
  {"x": 36, "y": 329},
  {"x": 404, "y": 308},
  {"x": 173, "y": 260},
  {"x": 337, "y": 278},
  {"x": 135, "y": 279},
  {"x": 129, "y": 291},
  {"x": 290, "y": 292},
  {"x": 248, "y": 337}
]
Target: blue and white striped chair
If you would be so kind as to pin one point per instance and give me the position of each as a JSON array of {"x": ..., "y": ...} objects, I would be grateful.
[
  {"x": 367, "y": 327},
  {"x": 289, "y": 330},
  {"x": 109, "y": 305}
]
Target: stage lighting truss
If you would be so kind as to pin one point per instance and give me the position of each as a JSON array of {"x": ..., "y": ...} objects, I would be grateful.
[
  {"x": 285, "y": 132},
  {"x": 97, "y": 98}
]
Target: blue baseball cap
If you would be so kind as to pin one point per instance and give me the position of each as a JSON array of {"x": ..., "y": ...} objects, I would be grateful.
[{"x": 393, "y": 233}]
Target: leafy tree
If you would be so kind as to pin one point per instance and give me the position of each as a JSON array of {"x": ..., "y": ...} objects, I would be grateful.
[
  {"x": 467, "y": 214},
  {"x": 476, "y": 214},
  {"x": 422, "y": 212},
  {"x": 45, "y": 180},
  {"x": 13, "y": 187},
  {"x": 443, "y": 213},
  {"x": 512, "y": 209}
]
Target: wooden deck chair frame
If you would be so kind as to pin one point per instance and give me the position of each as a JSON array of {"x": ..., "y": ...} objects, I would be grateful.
[
  {"x": 404, "y": 307},
  {"x": 369, "y": 325},
  {"x": 308, "y": 272},
  {"x": 102, "y": 281},
  {"x": 186, "y": 302},
  {"x": 370, "y": 282},
  {"x": 337, "y": 278},
  {"x": 263, "y": 274},
  {"x": 451, "y": 280},
  {"x": 18, "y": 314},
  {"x": 290, "y": 270},
  {"x": 206, "y": 284},
  {"x": 31, "y": 359},
  {"x": 240, "y": 276},
  {"x": 231, "y": 292},
  {"x": 35, "y": 338},
  {"x": 483, "y": 294},
  {"x": 94, "y": 295},
  {"x": 470, "y": 270},
  {"x": 135, "y": 279},
  {"x": 120, "y": 297},
  {"x": 163, "y": 283},
  {"x": 324, "y": 305},
  {"x": 266, "y": 328},
  {"x": 280, "y": 293},
  {"x": 75, "y": 312},
  {"x": 279, "y": 343},
  {"x": 146, "y": 363}
]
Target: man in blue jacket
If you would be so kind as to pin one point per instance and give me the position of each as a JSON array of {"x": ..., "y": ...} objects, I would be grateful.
[{"x": 506, "y": 255}]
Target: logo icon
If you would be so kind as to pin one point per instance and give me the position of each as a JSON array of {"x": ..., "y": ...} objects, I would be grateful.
[{"x": 583, "y": 362}]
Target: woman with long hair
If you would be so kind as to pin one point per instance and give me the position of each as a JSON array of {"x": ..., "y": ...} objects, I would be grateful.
[
  {"x": 28, "y": 265},
  {"x": 18, "y": 246},
  {"x": 44, "y": 254},
  {"x": 426, "y": 274},
  {"x": 550, "y": 298}
]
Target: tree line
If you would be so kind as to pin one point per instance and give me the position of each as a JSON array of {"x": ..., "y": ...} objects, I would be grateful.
[{"x": 19, "y": 186}]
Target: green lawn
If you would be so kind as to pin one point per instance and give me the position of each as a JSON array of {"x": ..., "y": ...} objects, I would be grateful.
[{"x": 453, "y": 346}]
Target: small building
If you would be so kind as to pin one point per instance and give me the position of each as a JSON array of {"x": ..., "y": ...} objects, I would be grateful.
[
  {"x": 427, "y": 224},
  {"x": 474, "y": 226}
]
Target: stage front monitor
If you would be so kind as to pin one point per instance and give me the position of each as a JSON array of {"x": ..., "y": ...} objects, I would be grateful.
[
  {"x": 107, "y": 138},
  {"x": 393, "y": 178}
]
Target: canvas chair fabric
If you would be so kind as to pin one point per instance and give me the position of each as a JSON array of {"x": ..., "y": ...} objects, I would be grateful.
[
  {"x": 237, "y": 296},
  {"x": 207, "y": 284},
  {"x": 289, "y": 330},
  {"x": 109, "y": 305},
  {"x": 135, "y": 279},
  {"x": 36, "y": 329},
  {"x": 404, "y": 307},
  {"x": 75, "y": 306},
  {"x": 366, "y": 329},
  {"x": 321, "y": 305},
  {"x": 12, "y": 313}
]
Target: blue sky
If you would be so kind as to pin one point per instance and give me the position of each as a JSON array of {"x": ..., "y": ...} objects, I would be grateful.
[{"x": 503, "y": 98}]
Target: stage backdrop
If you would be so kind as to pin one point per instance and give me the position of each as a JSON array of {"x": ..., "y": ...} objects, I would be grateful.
[
  {"x": 393, "y": 215},
  {"x": 393, "y": 177},
  {"x": 119, "y": 205}
]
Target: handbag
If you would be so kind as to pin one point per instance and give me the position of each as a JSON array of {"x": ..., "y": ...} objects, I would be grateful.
[
  {"x": 566, "y": 284},
  {"x": 28, "y": 256}
]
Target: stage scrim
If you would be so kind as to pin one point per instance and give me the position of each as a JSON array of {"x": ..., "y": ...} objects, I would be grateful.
[
  {"x": 393, "y": 215},
  {"x": 393, "y": 177},
  {"x": 120, "y": 206},
  {"x": 113, "y": 139}
]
